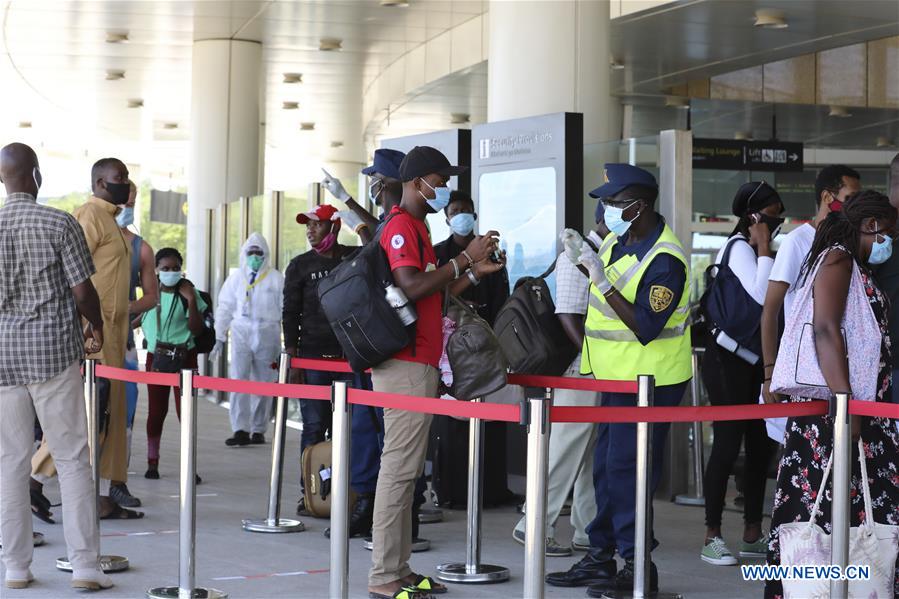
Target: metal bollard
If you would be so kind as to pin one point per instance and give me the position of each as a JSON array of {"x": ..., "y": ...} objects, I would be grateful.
[
  {"x": 473, "y": 571},
  {"x": 108, "y": 563},
  {"x": 842, "y": 470},
  {"x": 643, "y": 503},
  {"x": 535, "y": 515},
  {"x": 186, "y": 588},
  {"x": 274, "y": 522},
  {"x": 698, "y": 496},
  {"x": 340, "y": 490}
]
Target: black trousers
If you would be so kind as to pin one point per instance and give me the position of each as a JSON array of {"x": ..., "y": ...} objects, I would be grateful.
[{"x": 732, "y": 381}]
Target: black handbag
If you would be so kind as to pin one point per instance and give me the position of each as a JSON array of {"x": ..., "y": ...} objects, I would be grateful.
[
  {"x": 479, "y": 365},
  {"x": 167, "y": 357}
]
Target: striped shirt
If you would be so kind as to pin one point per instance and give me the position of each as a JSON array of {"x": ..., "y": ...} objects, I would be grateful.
[{"x": 43, "y": 254}]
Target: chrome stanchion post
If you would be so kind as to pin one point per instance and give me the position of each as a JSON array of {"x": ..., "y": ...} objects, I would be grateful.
[
  {"x": 473, "y": 571},
  {"x": 698, "y": 496},
  {"x": 535, "y": 499},
  {"x": 108, "y": 563},
  {"x": 340, "y": 490},
  {"x": 274, "y": 522},
  {"x": 643, "y": 503},
  {"x": 187, "y": 588},
  {"x": 842, "y": 469}
]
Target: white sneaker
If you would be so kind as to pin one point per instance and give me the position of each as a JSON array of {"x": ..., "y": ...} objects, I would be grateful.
[
  {"x": 90, "y": 580},
  {"x": 716, "y": 552},
  {"x": 18, "y": 579}
]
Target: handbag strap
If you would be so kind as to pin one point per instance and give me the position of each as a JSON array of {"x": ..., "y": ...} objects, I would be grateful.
[
  {"x": 866, "y": 491},
  {"x": 168, "y": 318},
  {"x": 821, "y": 490}
]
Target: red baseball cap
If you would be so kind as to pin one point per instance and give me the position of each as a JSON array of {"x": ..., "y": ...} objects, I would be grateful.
[{"x": 324, "y": 212}]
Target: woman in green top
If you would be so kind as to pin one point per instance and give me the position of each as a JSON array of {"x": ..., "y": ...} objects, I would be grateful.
[{"x": 179, "y": 315}]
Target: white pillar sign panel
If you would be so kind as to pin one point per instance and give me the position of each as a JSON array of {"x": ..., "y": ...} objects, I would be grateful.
[{"x": 225, "y": 154}]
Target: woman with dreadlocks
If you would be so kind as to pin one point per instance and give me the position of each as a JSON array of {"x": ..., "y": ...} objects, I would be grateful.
[{"x": 852, "y": 240}]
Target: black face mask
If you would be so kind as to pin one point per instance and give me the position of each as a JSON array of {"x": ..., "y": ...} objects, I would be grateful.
[
  {"x": 774, "y": 223},
  {"x": 119, "y": 192}
]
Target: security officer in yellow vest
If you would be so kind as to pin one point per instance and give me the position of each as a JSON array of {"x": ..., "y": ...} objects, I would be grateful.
[{"x": 636, "y": 324}]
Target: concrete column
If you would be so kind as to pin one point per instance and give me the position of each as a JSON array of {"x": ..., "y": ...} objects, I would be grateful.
[
  {"x": 552, "y": 57},
  {"x": 226, "y": 143}
]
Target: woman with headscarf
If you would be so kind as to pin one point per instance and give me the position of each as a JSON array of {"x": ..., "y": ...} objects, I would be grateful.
[{"x": 732, "y": 380}]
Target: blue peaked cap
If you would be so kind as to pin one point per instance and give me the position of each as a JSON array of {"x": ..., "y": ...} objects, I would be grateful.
[{"x": 386, "y": 162}]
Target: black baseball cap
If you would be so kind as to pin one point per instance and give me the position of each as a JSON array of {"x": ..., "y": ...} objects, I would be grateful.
[{"x": 425, "y": 160}]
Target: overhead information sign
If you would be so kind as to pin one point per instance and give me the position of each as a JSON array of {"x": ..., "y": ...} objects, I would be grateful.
[{"x": 741, "y": 155}]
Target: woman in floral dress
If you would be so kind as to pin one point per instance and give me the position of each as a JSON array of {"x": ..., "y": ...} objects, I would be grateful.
[{"x": 860, "y": 234}]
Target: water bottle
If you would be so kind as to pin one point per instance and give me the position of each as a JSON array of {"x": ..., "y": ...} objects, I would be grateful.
[{"x": 399, "y": 302}]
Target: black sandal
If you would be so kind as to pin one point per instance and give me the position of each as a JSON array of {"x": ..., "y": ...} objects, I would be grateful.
[
  {"x": 40, "y": 506},
  {"x": 402, "y": 593},
  {"x": 426, "y": 584},
  {"x": 120, "y": 513}
]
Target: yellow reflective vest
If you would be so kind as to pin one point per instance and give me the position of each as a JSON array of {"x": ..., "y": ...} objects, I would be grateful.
[{"x": 611, "y": 350}]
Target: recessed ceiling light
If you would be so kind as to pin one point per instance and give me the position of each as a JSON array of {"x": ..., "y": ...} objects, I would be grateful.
[
  {"x": 768, "y": 18},
  {"x": 330, "y": 44},
  {"x": 840, "y": 112},
  {"x": 290, "y": 105},
  {"x": 135, "y": 103},
  {"x": 307, "y": 126},
  {"x": 336, "y": 144},
  {"x": 170, "y": 126},
  {"x": 743, "y": 135},
  {"x": 458, "y": 118},
  {"x": 24, "y": 124},
  {"x": 677, "y": 102},
  {"x": 293, "y": 77},
  {"x": 615, "y": 65},
  {"x": 397, "y": 3},
  {"x": 116, "y": 37},
  {"x": 114, "y": 74},
  {"x": 884, "y": 142}
]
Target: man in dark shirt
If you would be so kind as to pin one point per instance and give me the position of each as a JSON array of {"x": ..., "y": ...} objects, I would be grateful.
[
  {"x": 486, "y": 298},
  {"x": 307, "y": 334},
  {"x": 888, "y": 277}
]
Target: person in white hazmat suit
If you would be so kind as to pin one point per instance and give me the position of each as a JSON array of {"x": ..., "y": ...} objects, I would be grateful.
[{"x": 249, "y": 305}]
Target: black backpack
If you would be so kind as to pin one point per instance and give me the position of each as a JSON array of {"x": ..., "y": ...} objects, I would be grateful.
[
  {"x": 353, "y": 299},
  {"x": 530, "y": 333},
  {"x": 205, "y": 341},
  {"x": 728, "y": 307}
]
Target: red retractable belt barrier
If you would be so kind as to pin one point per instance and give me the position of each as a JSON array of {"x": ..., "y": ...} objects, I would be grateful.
[
  {"x": 504, "y": 412},
  {"x": 431, "y": 405},
  {"x": 257, "y": 388},
  {"x": 165, "y": 379}
]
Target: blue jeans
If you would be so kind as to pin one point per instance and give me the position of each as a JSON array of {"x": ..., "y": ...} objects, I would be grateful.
[
  {"x": 131, "y": 394},
  {"x": 367, "y": 430},
  {"x": 614, "y": 472}
]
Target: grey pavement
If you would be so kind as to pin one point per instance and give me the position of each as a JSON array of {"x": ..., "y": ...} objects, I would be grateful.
[{"x": 253, "y": 565}]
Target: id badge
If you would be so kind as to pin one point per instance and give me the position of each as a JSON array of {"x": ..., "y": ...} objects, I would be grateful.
[{"x": 245, "y": 311}]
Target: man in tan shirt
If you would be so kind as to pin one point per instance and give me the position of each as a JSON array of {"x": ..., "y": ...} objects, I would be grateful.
[{"x": 112, "y": 259}]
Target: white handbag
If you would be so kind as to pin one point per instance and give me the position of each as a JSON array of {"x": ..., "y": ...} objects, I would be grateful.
[{"x": 871, "y": 544}]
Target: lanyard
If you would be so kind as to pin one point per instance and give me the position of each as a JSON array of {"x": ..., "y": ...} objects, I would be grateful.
[{"x": 256, "y": 282}]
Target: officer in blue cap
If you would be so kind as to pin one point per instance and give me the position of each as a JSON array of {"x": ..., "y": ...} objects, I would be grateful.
[
  {"x": 637, "y": 323},
  {"x": 385, "y": 190}
]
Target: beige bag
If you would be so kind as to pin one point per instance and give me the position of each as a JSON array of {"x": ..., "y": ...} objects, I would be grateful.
[
  {"x": 871, "y": 544},
  {"x": 316, "y": 465}
]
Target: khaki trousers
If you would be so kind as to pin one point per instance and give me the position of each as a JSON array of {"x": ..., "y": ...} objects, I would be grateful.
[
  {"x": 402, "y": 462},
  {"x": 59, "y": 405}
]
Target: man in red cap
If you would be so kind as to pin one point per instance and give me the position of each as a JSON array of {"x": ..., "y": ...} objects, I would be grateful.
[{"x": 307, "y": 334}]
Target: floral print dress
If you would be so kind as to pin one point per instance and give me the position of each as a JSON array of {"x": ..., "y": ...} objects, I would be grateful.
[{"x": 808, "y": 445}]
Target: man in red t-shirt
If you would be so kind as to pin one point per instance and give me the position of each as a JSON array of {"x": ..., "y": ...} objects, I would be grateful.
[{"x": 414, "y": 370}]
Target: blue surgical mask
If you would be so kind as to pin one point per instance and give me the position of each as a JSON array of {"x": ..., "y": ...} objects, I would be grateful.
[
  {"x": 441, "y": 197},
  {"x": 169, "y": 278},
  {"x": 462, "y": 224},
  {"x": 881, "y": 250},
  {"x": 613, "y": 217},
  {"x": 125, "y": 217}
]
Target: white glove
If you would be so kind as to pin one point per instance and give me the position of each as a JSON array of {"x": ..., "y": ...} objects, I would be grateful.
[
  {"x": 216, "y": 350},
  {"x": 571, "y": 243},
  {"x": 350, "y": 219},
  {"x": 590, "y": 260},
  {"x": 334, "y": 185}
]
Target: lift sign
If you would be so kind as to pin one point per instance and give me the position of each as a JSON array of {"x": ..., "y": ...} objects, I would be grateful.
[{"x": 741, "y": 155}]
